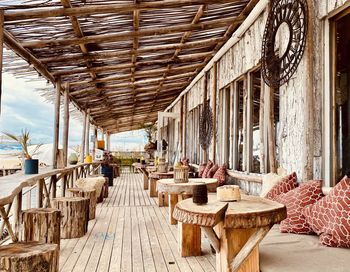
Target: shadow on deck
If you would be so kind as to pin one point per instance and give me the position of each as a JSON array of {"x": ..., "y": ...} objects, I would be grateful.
[{"x": 130, "y": 233}]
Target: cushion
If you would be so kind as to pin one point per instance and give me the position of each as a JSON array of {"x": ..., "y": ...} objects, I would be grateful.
[
  {"x": 285, "y": 252},
  {"x": 185, "y": 161},
  {"x": 330, "y": 217},
  {"x": 220, "y": 175},
  {"x": 212, "y": 171},
  {"x": 285, "y": 185},
  {"x": 268, "y": 181},
  {"x": 295, "y": 200},
  {"x": 201, "y": 169},
  {"x": 207, "y": 168}
]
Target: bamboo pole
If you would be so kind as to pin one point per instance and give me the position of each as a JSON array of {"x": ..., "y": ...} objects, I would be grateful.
[
  {"x": 87, "y": 134},
  {"x": 82, "y": 146},
  {"x": 1, "y": 50},
  {"x": 66, "y": 124},
  {"x": 56, "y": 123}
]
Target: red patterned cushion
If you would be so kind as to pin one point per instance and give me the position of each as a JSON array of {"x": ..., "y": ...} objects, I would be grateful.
[
  {"x": 207, "y": 168},
  {"x": 285, "y": 185},
  {"x": 185, "y": 161},
  {"x": 295, "y": 201},
  {"x": 330, "y": 217},
  {"x": 220, "y": 175},
  {"x": 201, "y": 169},
  {"x": 212, "y": 171}
]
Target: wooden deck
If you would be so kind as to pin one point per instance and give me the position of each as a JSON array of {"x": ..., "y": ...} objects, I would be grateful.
[{"x": 131, "y": 233}]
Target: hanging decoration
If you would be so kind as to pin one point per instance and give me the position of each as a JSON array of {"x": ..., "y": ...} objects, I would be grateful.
[
  {"x": 291, "y": 16},
  {"x": 206, "y": 126}
]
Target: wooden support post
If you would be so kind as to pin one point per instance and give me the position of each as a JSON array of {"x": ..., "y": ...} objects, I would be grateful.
[
  {"x": 1, "y": 50},
  {"x": 87, "y": 134},
  {"x": 53, "y": 186},
  {"x": 182, "y": 127},
  {"x": 66, "y": 124},
  {"x": 17, "y": 212},
  {"x": 245, "y": 125},
  {"x": 212, "y": 237},
  {"x": 108, "y": 141},
  {"x": 163, "y": 199},
  {"x": 234, "y": 125},
  {"x": 82, "y": 147},
  {"x": 94, "y": 144},
  {"x": 271, "y": 132},
  {"x": 153, "y": 187},
  {"x": 56, "y": 123},
  {"x": 205, "y": 92},
  {"x": 173, "y": 199},
  {"x": 40, "y": 185},
  {"x": 215, "y": 88},
  {"x": 189, "y": 239},
  {"x": 249, "y": 123},
  {"x": 185, "y": 126}
]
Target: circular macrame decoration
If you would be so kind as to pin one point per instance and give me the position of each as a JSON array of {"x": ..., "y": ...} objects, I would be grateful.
[
  {"x": 206, "y": 126},
  {"x": 288, "y": 19}
]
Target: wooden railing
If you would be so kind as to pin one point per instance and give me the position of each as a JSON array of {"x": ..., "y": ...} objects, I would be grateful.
[{"x": 37, "y": 190}]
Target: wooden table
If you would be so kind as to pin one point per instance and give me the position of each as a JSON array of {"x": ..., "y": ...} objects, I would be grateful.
[
  {"x": 234, "y": 229},
  {"x": 153, "y": 178},
  {"x": 145, "y": 170}
]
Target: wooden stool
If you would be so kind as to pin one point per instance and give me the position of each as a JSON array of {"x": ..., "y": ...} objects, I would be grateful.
[
  {"x": 75, "y": 216},
  {"x": 88, "y": 193},
  {"x": 41, "y": 225},
  {"x": 153, "y": 187},
  {"x": 29, "y": 257}
]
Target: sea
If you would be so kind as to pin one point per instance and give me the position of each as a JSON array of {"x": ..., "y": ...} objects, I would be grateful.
[{"x": 10, "y": 148}]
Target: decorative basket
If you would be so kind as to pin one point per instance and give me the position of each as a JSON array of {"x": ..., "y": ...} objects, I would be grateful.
[
  {"x": 181, "y": 174},
  {"x": 162, "y": 166}
]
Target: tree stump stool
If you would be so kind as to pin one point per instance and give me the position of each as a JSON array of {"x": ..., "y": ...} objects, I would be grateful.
[
  {"x": 75, "y": 216},
  {"x": 29, "y": 257},
  {"x": 96, "y": 183},
  {"x": 88, "y": 193},
  {"x": 41, "y": 225}
]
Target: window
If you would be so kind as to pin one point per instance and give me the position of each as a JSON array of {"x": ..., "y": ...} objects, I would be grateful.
[{"x": 341, "y": 96}]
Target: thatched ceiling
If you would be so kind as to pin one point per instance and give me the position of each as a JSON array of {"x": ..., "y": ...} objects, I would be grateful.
[{"x": 123, "y": 60}]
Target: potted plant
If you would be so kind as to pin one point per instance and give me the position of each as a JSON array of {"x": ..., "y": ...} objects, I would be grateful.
[
  {"x": 31, "y": 166},
  {"x": 151, "y": 146}
]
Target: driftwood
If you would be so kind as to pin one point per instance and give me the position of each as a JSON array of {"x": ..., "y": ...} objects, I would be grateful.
[
  {"x": 75, "y": 216},
  {"x": 29, "y": 257},
  {"x": 41, "y": 225}
]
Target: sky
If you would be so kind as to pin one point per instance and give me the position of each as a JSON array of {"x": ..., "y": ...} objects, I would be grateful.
[{"x": 22, "y": 107}]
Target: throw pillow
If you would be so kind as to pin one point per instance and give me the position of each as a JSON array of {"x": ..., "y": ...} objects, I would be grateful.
[
  {"x": 285, "y": 185},
  {"x": 212, "y": 171},
  {"x": 201, "y": 169},
  {"x": 268, "y": 181},
  {"x": 207, "y": 168},
  {"x": 329, "y": 217},
  {"x": 295, "y": 201},
  {"x": 220, "y": 175}
]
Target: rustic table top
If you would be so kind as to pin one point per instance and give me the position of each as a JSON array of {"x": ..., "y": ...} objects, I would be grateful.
[
  {"x": 250, "y": 212},
  {"x": 169, "y": 186}
]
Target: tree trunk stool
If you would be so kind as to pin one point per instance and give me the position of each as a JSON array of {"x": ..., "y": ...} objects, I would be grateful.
[
  {"x": 153, "y": 187},
  {"x": 75, "y": 216},
  {"x": 92, "y": 182},
  {"x": 163, "y": 199},
  {"x": 88, "y": 193},
  {"x": 29, "y": 257},
  {"x": 41, "y": 225}
]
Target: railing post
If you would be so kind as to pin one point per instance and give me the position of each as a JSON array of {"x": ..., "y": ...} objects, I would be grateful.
[
  {"x": 17, "y": 212},
  {"x": 40, "y": 186},
  {"x": 63, "y": 185},
  {"x": 54, "y": 184}
]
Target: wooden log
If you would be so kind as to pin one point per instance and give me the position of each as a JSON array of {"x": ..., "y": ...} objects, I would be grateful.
[
  {"x": 29, "y": 257},
  {"x": 41, "y": 225},
  {"x": 153, "y": 187},
  {"x": 87, "y": 193},
  {"x": 189, "y": 240},
  {"x": 75, "y": 216}
]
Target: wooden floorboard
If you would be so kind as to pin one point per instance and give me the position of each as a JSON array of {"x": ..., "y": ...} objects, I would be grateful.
[{"x": 131, "y": 233}]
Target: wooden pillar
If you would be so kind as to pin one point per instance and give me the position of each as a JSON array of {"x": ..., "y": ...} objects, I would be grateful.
[
  {"x": 94, "y": 143},
  {"x": 182, "y": 127},
  {"x": 66, "y": 124},
  {"x": 82, "y": 147},
  {"x": 215, "y": 86},
  {"x": 271, "y": 132},
  {"x": 189, "y": 239},
  {"x": 56, "y": 123},
  {"x": 185, "y": 126},
  {"x": 87, "y": 134},
  {"x": 234, "y": 125},
  {"x": 205, "y": 92},
  {"x": 40, "y": 188},
  {"x": 249, "y": 127},
  {"x": 108, "y": 141},
  {"x": 1, "y": 50},
  {"x": 17, "y": 211}
]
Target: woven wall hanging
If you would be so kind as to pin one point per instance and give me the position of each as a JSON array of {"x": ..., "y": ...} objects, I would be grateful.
[
  {"x": 293, "y": 14},
  {"x": 206, "y": 126}
]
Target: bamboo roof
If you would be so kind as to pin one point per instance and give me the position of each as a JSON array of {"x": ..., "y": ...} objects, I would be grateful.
[{"x": 124, "y": 60}]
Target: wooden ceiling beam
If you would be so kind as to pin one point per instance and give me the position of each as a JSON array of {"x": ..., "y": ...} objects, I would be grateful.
[
  {"x": 126, "y": 35},
  {"x": 122, "y": 53},
  {"x": 11, "y": 15}
]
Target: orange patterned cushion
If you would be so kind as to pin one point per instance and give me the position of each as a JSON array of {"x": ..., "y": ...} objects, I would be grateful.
[
  {"x": 330, "y": 217},
  {"x": 212, "y": 171},
  {"x": 295, "y": 201},
  {"x": 201, "y": 169},
  {"x": 220, "y": 175},
  {"x": 285, "y": 185},
  {"x": 207, "y": 168}
]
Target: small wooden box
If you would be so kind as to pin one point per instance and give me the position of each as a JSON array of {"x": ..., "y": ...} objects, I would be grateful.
[
  {"x": 181, "y": 174},
  {"x": 228, "y": 193}
]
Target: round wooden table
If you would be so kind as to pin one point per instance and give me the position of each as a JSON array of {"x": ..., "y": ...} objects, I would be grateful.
[
  {"x": 153, "y": 179},
  {"x": 234, "y": 229},
  {"x": 189, "y": 240}
]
